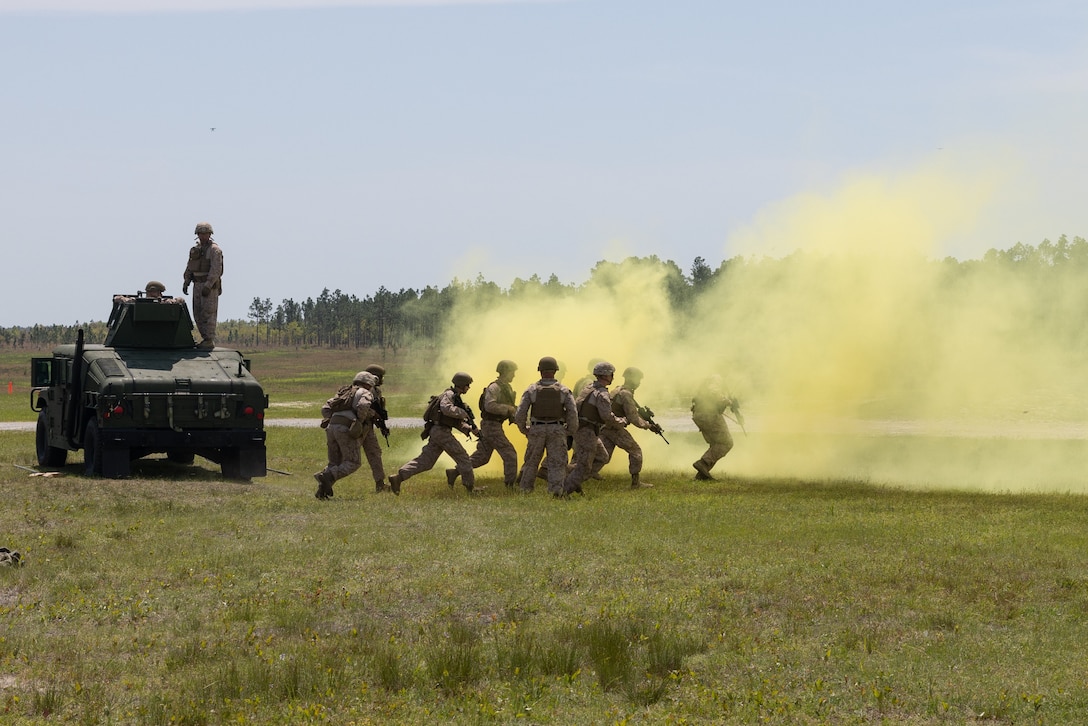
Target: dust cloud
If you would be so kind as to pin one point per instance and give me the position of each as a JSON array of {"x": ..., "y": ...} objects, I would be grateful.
[{"x": 855, "y": 350}]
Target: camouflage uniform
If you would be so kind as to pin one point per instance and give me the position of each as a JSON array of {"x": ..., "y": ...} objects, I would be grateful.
[
  {"x": 708, "y": 412},
  {"x": 370, "y": 444},
  {"x": 496, "y": 408},
  {"x": 452, "y": 412},
  {"x": 343, "y": 448},
  {"x": 594, "y": 415},
  {"x": 546, "y": 426},
  {"x": 624, "y": 406},
  {"x": 205, "y": 272}
]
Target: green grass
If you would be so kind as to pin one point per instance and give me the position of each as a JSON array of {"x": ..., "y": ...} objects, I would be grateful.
[{"x": 175, "y": 597}]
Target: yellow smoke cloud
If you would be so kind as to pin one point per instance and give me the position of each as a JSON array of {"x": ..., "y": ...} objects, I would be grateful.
[{"x": 851, "y": 335}]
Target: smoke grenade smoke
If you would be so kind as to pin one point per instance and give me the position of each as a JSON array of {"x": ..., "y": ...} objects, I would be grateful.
[{"x": 856, "y": 352}]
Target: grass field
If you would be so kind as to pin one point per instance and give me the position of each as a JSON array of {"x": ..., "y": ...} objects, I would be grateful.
[{"x": 175, "y": 597}]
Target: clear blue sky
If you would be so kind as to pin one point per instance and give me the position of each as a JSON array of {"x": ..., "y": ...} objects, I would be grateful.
[{"x": 360, "y": 144}]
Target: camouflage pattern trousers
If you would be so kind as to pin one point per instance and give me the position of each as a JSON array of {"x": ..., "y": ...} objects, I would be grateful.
[
  {"x": 716, "y": 433},
  {"x": 343, "y": 450},
  {"x": 550, "y": 439},
  {"x": 205, "y": 311},
  {"x": 588, "y": 458},
  {"x": 610, "y": 439},
  {"x": 493, "y": 439},
  {"x": 373, "y": 450},
  {"x": 442, "y": 440}
]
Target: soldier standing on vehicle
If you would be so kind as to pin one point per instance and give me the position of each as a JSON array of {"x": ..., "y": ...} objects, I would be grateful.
[
  {"x": 594, "y": 415},
  {"x": 546, "y": 416},
  {"x": 497, "y": 406},
  {"x": 625, "y": 407},
  {"x": 447, "y": 412},
  {"x": 708, "y": 408},
  {"x": 205, "y": 272},
  {"x": 371, "y": 447},
  {"x": 347, "y": 418}
]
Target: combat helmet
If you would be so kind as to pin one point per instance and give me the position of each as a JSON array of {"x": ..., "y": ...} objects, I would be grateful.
[
  {"x": 203, "y": 227},
  {"x": 506, "y": 366},
  {"x": 154, "y": 286},
  {"x": 632, "y": 374},
  {"x": 460, "y": 378},
  {"x": 604, "y": 368},
  {"x": 376, "y": 369},
  {"x": 547, "y": 363},
  {"x": 365, "y": 378}
]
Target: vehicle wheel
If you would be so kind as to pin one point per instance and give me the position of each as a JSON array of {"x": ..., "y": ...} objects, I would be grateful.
[
  {"x": 47, "y": 455},
  {"x": 92, "y": 450},
  {"x": 231, "y": 464},
  {"x": 181, "y": 457}
]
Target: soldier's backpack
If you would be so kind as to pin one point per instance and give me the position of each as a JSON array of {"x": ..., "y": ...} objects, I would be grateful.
[
  {"x": 429, "y": 417},
  {"x": 343, "y": 399}
]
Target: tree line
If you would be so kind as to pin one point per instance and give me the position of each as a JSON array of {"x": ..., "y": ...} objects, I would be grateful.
[{"x": 416, "y": 318}]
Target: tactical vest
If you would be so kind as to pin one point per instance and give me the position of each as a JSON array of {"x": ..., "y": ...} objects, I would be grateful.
[
  {"x": 200, "y": 264},
  {"x": 505, "y": 396},
  {"x": 548, "y": 405},
  {"x": 442, "y": 419},
  {"x": 588, "y": 410},
  {"x": 617, "y": 404}
]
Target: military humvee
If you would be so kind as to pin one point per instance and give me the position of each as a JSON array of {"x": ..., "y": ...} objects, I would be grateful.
[{"x": 148, "y": 390}]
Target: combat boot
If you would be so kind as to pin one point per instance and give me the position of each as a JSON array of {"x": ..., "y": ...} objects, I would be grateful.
[
  {"x": 324, "y": 485},
  {"x": 394, "y": 483},
  {"x": 637, "y": 483},
  {"x": 702, "y": 471},
  {"x": 379, "y": 486},
  {"x": 451, "y": 477}
]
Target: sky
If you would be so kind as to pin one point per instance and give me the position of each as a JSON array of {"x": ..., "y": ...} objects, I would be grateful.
[{"x": 349, "y": 145}]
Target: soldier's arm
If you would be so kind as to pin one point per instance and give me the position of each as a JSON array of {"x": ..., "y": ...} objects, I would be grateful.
[{"x": 630, "y": 412}]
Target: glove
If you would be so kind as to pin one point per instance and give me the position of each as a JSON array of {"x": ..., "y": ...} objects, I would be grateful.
[
  {"x": 185, "y": 289},
  {"x": 205, "y": 291}
]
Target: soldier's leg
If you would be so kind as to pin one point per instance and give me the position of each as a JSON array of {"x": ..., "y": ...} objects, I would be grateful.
[
  {"x": 484, "y": 447},
  {"x": 211, "y": 311},
  {"x": 534, "y": 450},
  {"x": 624, "y": 440},
  {"x": 509, "y": 456},
  {"x": 556, "y": 462},
  {"x": 721, "y": 443},
  {"x": 585, "y": 448},
  {"x": 426, "y": 459},
  {"x": 350, "y": 460},
  {"x": 373, "y": 451},
  {"x": 453, "y": 448},
  {"x": 606, "y": 445},
  {"x": 199, "y": 316}
]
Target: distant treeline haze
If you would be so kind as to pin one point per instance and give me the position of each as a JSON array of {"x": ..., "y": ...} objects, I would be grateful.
[{"x": 416, "y": 318}]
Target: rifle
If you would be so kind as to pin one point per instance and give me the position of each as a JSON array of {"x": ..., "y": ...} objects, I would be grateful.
[
  {"x": 648, "y": 416},
  {"x": 378, "y": 406},
  {"x": 737, "y": 417},
  {"x": 473, "y": 429}
]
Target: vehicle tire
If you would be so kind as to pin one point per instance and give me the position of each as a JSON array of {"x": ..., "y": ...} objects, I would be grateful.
[
  {"x": 231, "y": 463},
  {"x": 47, "y": 455},
  {"x": 92, "y": 450},
  {"x": 181, "y": 457}
]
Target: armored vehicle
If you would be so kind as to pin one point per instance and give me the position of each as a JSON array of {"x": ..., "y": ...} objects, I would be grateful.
[{"x": 148, "y": 390}]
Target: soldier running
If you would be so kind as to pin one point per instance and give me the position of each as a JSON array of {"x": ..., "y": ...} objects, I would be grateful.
[
  {"x": 594, "y": 414},
  {"x": 624, "y": 407},
  {"x": 449, "y": 413},
  {"x": 497, "y": 406},
  {"x": 546, "y": 415}
]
